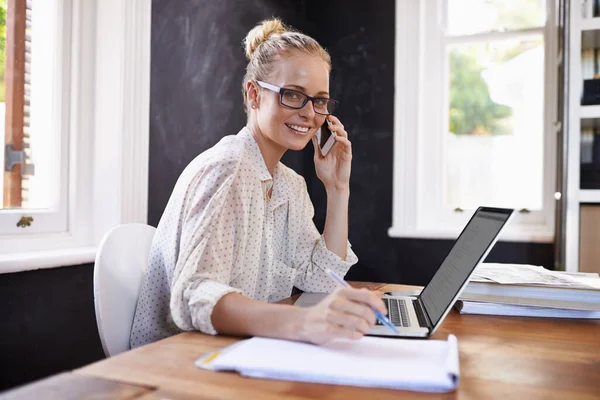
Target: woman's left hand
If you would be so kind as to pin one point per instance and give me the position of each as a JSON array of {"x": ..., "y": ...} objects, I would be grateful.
[{"x": 334, "y": 169}]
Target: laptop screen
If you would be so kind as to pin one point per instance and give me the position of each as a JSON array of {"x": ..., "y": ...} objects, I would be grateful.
[{"x": 464, "y": 256}]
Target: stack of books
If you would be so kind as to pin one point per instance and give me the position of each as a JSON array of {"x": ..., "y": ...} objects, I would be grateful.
[{"x": 532, "y": 291}]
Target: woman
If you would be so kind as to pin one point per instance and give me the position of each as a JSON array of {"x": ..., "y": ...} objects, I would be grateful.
[{"x": 237, "y": 233}]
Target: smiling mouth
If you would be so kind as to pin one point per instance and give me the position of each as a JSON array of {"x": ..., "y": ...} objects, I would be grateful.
[{"x": 300, "y": 129}]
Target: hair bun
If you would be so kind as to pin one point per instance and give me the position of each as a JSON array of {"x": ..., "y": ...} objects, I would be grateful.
[{"x": 260, "y": 33}]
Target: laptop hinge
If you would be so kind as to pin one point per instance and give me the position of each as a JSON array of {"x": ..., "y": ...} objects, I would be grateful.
[{"x": 422, "y": 316}]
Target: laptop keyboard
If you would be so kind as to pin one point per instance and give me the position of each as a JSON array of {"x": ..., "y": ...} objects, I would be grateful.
[{"x": 397, "y": 312}]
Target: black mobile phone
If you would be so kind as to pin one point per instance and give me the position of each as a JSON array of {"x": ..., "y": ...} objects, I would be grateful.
[{"x": 325, "y": 138}]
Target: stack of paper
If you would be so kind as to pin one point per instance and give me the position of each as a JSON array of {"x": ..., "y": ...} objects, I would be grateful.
[
  {"x": 527, "y": 290},
  {"x": 421, "y": 365},
  {"x": 524, "y": 274}
]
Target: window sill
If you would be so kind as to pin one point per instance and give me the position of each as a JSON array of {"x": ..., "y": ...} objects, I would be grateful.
[
  {"x": 509, "y": 235},
  {"x": 32, "y": 260}
]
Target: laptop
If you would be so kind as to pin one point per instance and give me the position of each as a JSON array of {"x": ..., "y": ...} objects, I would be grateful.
[{"x": 419, "y": 317}]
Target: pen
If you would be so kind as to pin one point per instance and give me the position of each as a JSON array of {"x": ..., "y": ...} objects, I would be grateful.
[{"x": 379, "y": 315}]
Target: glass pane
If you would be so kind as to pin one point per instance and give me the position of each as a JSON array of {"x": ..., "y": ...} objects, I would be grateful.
[
  {"x": 467, "y": 17},
  {"x": 494, "y": 147},
  {"x": 27, "y": 54}
]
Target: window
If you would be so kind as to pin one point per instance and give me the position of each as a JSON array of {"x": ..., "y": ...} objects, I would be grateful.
[
  {"x": 34, "y": 181},
  {"x": 76, "y": 97},
  {"x": 473, "y": 116}
]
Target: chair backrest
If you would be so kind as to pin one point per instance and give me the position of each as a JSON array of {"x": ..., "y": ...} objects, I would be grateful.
[{"x": 120, "y": 266}]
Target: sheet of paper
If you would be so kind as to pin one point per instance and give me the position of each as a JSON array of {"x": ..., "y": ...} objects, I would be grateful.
[
  {"x": 589, "y": 279},
  {"x": 525, "y": 274},
  {"x": 423, "y": 365}
]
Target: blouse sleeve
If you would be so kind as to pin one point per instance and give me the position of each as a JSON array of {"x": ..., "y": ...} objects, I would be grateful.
[
  {"x": 206, "y": 250},
  {"x": 312, "y": 255}
]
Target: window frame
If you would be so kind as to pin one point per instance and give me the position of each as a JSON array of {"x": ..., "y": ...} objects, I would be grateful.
[
  {"x": 415, "y": 212},
  {"x": 107, "y": 118}
]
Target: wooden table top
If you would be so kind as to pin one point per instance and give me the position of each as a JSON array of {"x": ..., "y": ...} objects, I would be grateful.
[
  {"x": 500, "y": 357},
  {"x": 69, "y": 386}
]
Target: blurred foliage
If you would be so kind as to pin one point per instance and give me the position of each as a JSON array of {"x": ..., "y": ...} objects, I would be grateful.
[{"x": 472, "y": 111}]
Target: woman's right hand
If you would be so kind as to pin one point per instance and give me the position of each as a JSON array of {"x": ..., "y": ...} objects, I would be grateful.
[{"x": 346, "y": 313}]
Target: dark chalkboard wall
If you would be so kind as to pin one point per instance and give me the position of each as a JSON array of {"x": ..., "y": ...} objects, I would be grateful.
[
  {"x": 196, "y": 78},
  {"x": 197, "y": 68},
  {"x": 47, "y": 323}
]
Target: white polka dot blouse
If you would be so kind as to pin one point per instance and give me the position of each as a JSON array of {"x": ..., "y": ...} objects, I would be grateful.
[{"x": 221, "y": 233}]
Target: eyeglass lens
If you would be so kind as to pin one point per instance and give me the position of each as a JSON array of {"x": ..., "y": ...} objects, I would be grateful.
[{"x": 294, "y": 99}]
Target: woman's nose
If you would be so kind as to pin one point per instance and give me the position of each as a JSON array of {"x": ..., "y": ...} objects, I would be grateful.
[{"x": 308, "y": 110}]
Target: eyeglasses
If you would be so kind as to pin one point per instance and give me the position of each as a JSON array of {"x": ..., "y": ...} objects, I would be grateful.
[{"x": 296, "y": 100}]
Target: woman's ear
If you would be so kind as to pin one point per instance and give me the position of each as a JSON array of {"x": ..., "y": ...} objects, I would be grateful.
[{"x": 252, "y": 94}]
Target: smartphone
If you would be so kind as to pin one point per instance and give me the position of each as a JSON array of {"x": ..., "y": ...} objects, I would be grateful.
[{"x": 325, "y": 138}]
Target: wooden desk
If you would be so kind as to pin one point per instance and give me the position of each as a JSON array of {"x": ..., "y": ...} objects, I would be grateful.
[
  {"x": 68, "y": 386},
  {"x": 500, "y": 357}
]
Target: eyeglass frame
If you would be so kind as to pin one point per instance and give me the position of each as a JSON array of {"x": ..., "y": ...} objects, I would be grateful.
[{"x": 281, "y": 90}]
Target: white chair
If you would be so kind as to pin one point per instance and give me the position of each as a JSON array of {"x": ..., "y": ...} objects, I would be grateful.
[{"x": 120, "y": 266}]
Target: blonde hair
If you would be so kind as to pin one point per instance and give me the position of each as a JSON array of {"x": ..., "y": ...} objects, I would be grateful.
[{"x": 267, "y": 42}]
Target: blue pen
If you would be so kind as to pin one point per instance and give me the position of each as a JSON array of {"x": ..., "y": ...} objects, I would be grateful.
[{"x": 379, "y": 316}]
